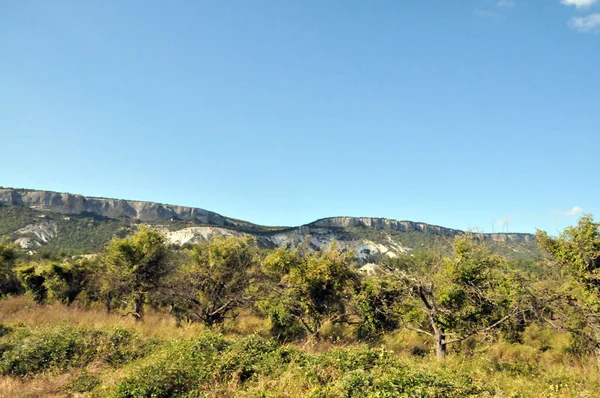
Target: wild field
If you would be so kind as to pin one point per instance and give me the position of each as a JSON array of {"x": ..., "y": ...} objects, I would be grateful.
[
  {"x": 52, "y": 350},
  {"x": 225, "y": 319}
]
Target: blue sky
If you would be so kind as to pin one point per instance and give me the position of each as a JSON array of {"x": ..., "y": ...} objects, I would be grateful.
[{"x": 471, "y": 114}]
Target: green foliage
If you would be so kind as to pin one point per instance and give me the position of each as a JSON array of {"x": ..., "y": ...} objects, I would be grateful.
[
  {"x": 572, "y": 303},
  {"x": 452, "y": 298},
  {"x": 81, "y": 234},
  {"x": 375, "y": 373},
  {"x": 213, "y": 284},
  {"x": 9, "y": 282},
  {"x": 305, "y": 289},
  {"x": 77, "y": 234},
  {"x": 27, "y": 352},
  {"x": 210, "y": 364},
  {"x": 32, "y": 278},
  {"x": 56, "y": 281},
  {"x": 577, "y": 250},
  {"x": 192, "y": 368},
  {"x": 85, "y": 382},
  {"x": 13, "y": 218},
  {"x": 377, "y": 304},
  {"x": 476, "y": 289},
  {"x": 176, "y": 370},
  {"x": 135, "y": 266},
  {"x": 65, "y": 281}
]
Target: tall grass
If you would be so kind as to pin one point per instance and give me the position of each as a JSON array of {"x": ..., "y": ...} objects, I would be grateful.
[
  {"x": 22, "y": 310},
  {"x": 54, "y": 350}
]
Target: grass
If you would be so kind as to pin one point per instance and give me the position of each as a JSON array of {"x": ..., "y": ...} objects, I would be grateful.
[
  {"x": 23, "y": 311},
  {"x": 55, "y": 351}
]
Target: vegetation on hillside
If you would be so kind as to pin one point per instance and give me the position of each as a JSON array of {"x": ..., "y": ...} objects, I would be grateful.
[
  {"x": 88, "y": 233},
  {"x": 76, "y": 234},
  {"x": 241, "y": 321}
]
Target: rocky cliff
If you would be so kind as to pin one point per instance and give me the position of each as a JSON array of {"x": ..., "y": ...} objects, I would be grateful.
[
  {"x": 62, "y": 220},
  {"x": 410, "y": 226},
  {"x": 67, "y": 203}
]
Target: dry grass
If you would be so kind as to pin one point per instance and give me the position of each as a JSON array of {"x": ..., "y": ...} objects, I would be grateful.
[
  {"x": 22, "y": 310},
  {"x": 49, "y": 385},
  {"x": 44, "y": 386},
  {"x": 246, "y": 323},
  {"x": 541, "y": 367}
]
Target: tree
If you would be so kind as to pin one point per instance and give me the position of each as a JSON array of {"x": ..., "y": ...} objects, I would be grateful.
[
  {"x": 9, "y": 282},
  {"x": 51, "y": 280},
  {"x": 66, "y": 280},
  {"x": 32, "y": 279},
  {"x": 133, "y": 267},
  {"x": 377, "y": 303},
  {"x": 572, "y": 303},
  {"x": 304, "y": 289},
  {"x": 451, "y": 299},
  {"x": 213, "y": 284}
]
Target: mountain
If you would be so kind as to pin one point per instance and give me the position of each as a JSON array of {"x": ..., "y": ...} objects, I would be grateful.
[{"x": 53, "y": 221}]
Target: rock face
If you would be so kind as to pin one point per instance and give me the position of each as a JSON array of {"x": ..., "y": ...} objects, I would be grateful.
[
  {"x": 318, "y": 234},
  {"x": 410, "y": 226},
  {"x": 66, "y": 203},
  {"x": 196, "y": 234},
  {"x": 42, "y": 231}
]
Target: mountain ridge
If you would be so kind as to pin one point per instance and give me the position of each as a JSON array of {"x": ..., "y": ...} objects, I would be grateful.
[
  {"x": 76, "y": 204},
  {"x": 71, "y": 223}
]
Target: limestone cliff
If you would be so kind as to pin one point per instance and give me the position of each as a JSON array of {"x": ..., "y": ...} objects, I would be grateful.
[
  {"x": 67, "y": 203},
  {"x": 410, "y": 226},
  {"x": 365, "y": 235}
]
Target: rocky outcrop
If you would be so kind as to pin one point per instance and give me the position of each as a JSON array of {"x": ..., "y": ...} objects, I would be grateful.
[
  {"x": 319, "y": 233},
  {"x": 196, "y": 234},
  {"x": 410, "y": 226},
  {"x": 66, "y": 203},
  {"x": 41, "y": 232}
]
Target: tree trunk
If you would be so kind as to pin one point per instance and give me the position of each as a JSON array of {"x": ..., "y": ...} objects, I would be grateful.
[
  {"x": 108, "y": 303},
  {"x": 138, "y": 308},
  {"x": 440, "y": 340},
  {"x": 440, "y": 344}
]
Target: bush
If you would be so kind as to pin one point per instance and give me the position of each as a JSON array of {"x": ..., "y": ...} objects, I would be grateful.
[
  {"x": 26, "y": 352},
  {"x": 210, "y": 363},
  {"x": 174, "y": 371},
  {"x": 85, "y": 382}
]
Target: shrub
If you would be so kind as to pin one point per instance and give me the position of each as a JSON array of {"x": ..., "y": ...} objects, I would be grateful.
[
  {"x": 176, "y": 370},
  {"x": 85, "y": 382},
  {"x": 26, "y": 352}
]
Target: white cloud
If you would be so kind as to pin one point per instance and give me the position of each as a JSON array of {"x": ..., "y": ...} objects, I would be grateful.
[
  {"x": 496, "y": 9},
  {"x": 573, "y": 212},
  {"x": 506, "y": 4},
  {"x": 486, "y": 13},
  {"x": 579, "y": 3},
  {"x": 589, "y": 23}
]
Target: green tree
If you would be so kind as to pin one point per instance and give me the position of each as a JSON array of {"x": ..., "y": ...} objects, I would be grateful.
[
  {"x": 571, "y": 301},
  {"x": 213, "y": 283},
  {"x": 453, "y": 298},
  {"x": 133, "y": 267},
  {"x": 9, "y": 282},
  {"x": 377, "y": 304},
  {"x": 55, "y": 281},
  {"x": 65, "y": 281},
  {"x": 32, "y": 278},
  {"x": 304, "y": 289}
]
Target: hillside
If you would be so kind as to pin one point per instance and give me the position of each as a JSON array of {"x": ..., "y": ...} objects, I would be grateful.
[{"x": 52, "y": 221}]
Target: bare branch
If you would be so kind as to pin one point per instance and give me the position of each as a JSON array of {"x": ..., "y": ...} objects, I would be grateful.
[{"x": 485, "y": 329}]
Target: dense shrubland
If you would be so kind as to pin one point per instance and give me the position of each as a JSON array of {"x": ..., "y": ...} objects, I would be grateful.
[{"x": 295, "y": 322}]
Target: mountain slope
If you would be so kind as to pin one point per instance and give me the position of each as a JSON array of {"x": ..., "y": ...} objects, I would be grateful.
[{"x": 77, "y": 224}]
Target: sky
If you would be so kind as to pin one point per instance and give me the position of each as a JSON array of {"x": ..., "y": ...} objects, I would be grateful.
[{"x": 471, "y": 114}]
